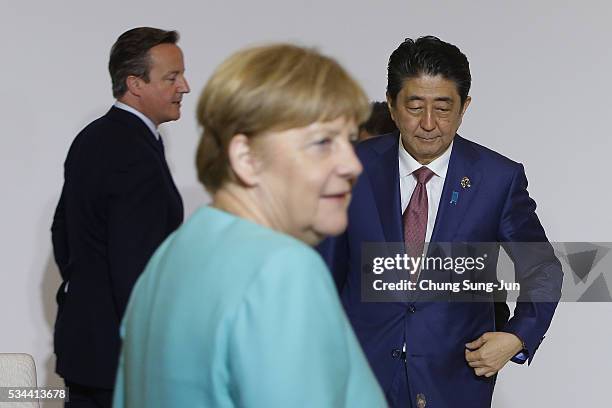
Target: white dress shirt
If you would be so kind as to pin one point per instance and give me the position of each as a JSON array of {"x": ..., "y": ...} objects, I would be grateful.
[
  {"x": 408, "y": 164},
  {"x": 142, "y": 117}
]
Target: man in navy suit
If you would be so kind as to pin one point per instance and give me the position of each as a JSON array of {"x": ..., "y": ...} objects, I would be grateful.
[
  {"x": 118, "y": 204},
  {"x": 423, "y": 184}
]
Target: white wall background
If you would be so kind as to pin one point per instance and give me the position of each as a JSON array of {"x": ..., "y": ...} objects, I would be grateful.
[{"x": 542, "y": 92}]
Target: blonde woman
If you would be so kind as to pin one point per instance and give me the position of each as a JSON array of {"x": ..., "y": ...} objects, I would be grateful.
[{"x": 236, "y": 308}]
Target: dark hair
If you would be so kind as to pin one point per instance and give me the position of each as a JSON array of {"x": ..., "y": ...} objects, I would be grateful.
[
  {"x": 130, "y": 55},
  {"x": 428, "y": 56},
  {"x": 380, "y": 121}
]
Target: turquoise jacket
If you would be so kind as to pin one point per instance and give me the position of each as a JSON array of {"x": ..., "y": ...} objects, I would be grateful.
[{"x": 232, "y": 314}]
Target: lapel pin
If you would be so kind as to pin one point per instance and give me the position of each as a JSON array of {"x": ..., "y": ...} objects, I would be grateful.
[
  {"x": 421, "y": 402},
  {"x": 454, "y": 198},
  {"x": 465, "y": 182}
]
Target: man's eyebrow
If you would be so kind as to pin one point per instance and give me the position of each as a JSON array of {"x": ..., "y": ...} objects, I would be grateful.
[
  {"x": 420, "y": 98},
  {"x": 413, "y": 98}
]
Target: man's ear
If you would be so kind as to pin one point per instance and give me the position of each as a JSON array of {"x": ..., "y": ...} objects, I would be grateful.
[
  {"x": 465, "y": 105},
  {"x": 242, "y": 160},
  {"x": 464, "y": 109},
  {"x": 134, "y": 84}
]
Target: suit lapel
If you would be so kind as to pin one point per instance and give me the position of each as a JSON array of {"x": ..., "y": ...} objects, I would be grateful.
[
  {"x": 452, "y": 211},
  {"x": 383, "y": 175},
  {"x": 384, "y": 178},
  {"x": 143, "y": 131}
]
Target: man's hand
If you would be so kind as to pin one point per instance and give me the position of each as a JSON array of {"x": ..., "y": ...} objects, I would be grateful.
[{"x": 491, "y": 351}]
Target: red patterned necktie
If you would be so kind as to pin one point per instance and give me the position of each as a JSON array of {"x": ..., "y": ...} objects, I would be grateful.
[{"x": 415, "y": 217}]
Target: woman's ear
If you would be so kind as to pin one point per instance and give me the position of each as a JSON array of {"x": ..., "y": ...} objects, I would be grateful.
[{"x": 243, "y": 161}]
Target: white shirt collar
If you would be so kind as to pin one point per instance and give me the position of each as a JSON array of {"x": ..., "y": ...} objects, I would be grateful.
[
  {"x": 408, "y": 164},
  {"x": 142, "y": 117}
]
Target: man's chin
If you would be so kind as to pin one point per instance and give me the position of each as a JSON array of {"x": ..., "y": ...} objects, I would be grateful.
[
  {"x": 428, "y": 146},
  {"x": 431, "y": 151},
  {"x": 173, "y": 117}
]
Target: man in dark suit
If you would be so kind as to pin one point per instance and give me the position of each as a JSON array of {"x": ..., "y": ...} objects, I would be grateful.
[
  {"x": 118, "y": 203},
  {"x": 425, "y": 183}
]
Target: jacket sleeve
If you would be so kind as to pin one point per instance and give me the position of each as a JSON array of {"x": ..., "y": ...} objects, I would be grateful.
[
  {"x": 59, "y": 238},
  {"x": 537, "y": 269}
]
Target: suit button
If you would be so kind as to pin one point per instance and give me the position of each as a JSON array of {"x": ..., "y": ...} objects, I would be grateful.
[
  {"x": 397, "y": 353},
  {"x": 411, "y": 309}
]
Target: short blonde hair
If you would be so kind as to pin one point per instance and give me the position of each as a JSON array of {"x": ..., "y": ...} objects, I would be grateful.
[{"x": 273, "y": 87}]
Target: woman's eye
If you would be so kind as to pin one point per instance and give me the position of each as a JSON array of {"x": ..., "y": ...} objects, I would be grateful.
[{"x": 323, "y": 142}]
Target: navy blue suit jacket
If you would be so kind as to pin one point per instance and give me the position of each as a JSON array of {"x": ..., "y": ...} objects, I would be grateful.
[
  {"x": 496, "y": 208},
  {"x": 118, "y": 204}
]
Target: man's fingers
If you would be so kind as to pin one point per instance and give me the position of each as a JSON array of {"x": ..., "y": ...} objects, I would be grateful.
[
  {"x": 487, "y": 372},
  {"x": 472, "y": 355},
  {"x": 476, "y": 343},
  {"x": 480, "y": 371},
  {"x": 478, "y": 363}
]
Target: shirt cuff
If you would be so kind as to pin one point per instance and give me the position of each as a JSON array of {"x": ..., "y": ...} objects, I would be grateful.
[{"x": 522, "y": 355}]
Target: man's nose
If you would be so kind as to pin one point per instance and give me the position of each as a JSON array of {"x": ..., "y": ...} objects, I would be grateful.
[
  {"x": 428, "y": 122},
  {"x": 184, "y": 86}
]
